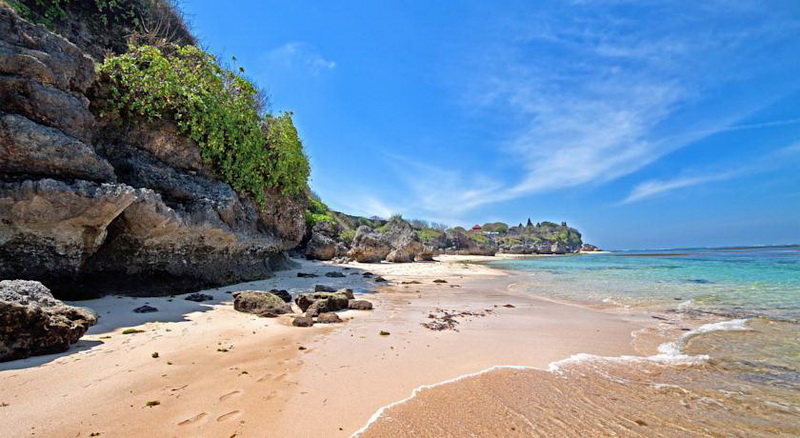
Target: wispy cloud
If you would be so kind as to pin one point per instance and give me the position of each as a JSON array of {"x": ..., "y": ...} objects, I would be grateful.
[
  {"x": 595, "y": 96},
  {"x": 653, "y": 188},
  {"x": 301, "y": 56},
  {"x": 779, "y": 158}
]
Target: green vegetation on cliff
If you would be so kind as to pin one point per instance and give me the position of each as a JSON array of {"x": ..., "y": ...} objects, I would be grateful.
[
  {"x": 217, "y": 108},
  {"x": 317, "y": 211},
  {"x": 100, "y": 27}
]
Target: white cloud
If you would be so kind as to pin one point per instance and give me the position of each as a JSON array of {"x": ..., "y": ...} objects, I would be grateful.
[
  {"x": 594, "y": 97},
  {"x": 779, "y": 158},
  {"x": 652, "y": 188},
  {"x": 301, "y": 56}
]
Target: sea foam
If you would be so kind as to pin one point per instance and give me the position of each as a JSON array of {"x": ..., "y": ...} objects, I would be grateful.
[{"x": 670, "y": 353}]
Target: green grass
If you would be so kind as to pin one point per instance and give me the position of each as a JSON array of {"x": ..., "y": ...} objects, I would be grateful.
[{"x": 131, "y": 331}]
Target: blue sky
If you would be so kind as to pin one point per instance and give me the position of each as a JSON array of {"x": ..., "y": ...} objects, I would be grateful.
[{"x": 643, "y": 123}]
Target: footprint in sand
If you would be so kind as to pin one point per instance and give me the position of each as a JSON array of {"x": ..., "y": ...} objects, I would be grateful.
[
  {"x": 229, "y": 395},
  {"x": 193, "y": 420},
  {"x": 229, "y": 416}
]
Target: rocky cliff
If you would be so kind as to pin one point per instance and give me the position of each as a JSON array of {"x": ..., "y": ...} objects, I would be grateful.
[
  {"x": 340, "y": 237},
  {"x": 91, "y": 204}
]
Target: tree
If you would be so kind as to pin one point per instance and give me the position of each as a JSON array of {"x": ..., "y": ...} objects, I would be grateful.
[
  {"x": 439, "y": 226},
  {"x": 530, "y": 224}
]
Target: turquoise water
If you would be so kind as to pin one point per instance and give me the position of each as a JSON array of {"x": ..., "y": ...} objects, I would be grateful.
[
  {"x": 738, "y": 282},
  {"x": 736, "y": 308}
]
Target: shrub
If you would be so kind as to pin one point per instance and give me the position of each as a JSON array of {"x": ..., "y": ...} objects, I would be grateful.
[
  {"x": 347, "y": 236},
  {"x": 498, "y": 227},
  {"x": 215, "y": 107},
  {"x": 317, "y": 211},
  {"x": 428, "y": 234},
  {"x": 478, "y": 238}
]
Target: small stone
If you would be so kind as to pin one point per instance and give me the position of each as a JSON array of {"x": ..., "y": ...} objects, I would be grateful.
[
  {"x": 282, "y": 294},
  {"x": 306, "y": 275},
  {"x": 303, "y": 321},
  {"x": 334, "y": 274},
  {"x": 359, "y": 305},
  {"x": 438, "y": 280},
  {"x": 384, "y": 333},
  {"x": 324, "y": 288},
  {"x": 145, "y": 309},
  {"x": 198, "y": 297},
  {"x": 380, "y": 280}
]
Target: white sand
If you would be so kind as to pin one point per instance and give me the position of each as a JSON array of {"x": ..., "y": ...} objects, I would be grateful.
[{"x": 264, "y": 385}]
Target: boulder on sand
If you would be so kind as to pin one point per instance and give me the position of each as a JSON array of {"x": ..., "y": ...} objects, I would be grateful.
[
  {"x": 260, "y": 303},
  {"x": 332, "y": 301},
  {"x": 328, "y": 318},
  {"x": 33, "y": 322},
  {"x": 359, "y": 305},
  {"x": 369, "y": 246},
  {"x": 303, "y": 321}
]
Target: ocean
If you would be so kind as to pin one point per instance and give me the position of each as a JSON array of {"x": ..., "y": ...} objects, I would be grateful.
[
  {"x": 729, "y": 337},
  {"x": 721, "y": 356}
]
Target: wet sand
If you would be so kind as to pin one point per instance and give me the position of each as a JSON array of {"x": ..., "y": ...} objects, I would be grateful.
[{"x": 224, "y": 373}]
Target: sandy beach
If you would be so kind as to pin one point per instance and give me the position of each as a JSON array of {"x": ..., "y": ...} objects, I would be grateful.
[{"x": 219, "y": 372}]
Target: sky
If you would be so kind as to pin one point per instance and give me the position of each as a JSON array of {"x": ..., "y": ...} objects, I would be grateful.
[{"x": 644, "y": 124}]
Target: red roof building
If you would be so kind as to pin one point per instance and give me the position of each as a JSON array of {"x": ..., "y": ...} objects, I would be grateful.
[{"x": 477, "y": 228}]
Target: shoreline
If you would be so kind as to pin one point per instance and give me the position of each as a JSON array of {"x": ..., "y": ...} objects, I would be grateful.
[{"x": 265, "y": 382}]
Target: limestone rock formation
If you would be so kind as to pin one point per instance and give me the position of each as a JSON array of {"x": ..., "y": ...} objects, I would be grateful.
[
  {"x": 33, "y": 322},
  {"x": 404, "y": 242},
  {"x": 369, "y": 246},
  {"x": 90, "y": 204}
]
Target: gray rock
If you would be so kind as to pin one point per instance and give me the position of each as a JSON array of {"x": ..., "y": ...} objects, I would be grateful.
[
  {"x": 331, "y": 301},
  {"x": 28, "y": 148},
  {"x": 33, "y": 322},
  {"x": 346, "y": 292},
  {"x": 145, "y": 309},
  {"x": 199, "y": 297},
  {"x": 321, "y": 247},
  {"x": 324, "y": 288},
  {"x": 369, "y": 246},
  {"x": 404, "y": 242},
  {"x": 334, "y": 274},
  {"x": 260, "y": 303},
  {"x": 283, "y": 294}
]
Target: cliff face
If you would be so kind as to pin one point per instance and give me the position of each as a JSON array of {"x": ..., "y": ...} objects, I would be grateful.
[{"x": 88, "y": 206}]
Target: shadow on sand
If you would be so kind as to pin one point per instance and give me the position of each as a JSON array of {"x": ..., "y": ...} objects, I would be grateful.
[{"x": 115, "y": 312}]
